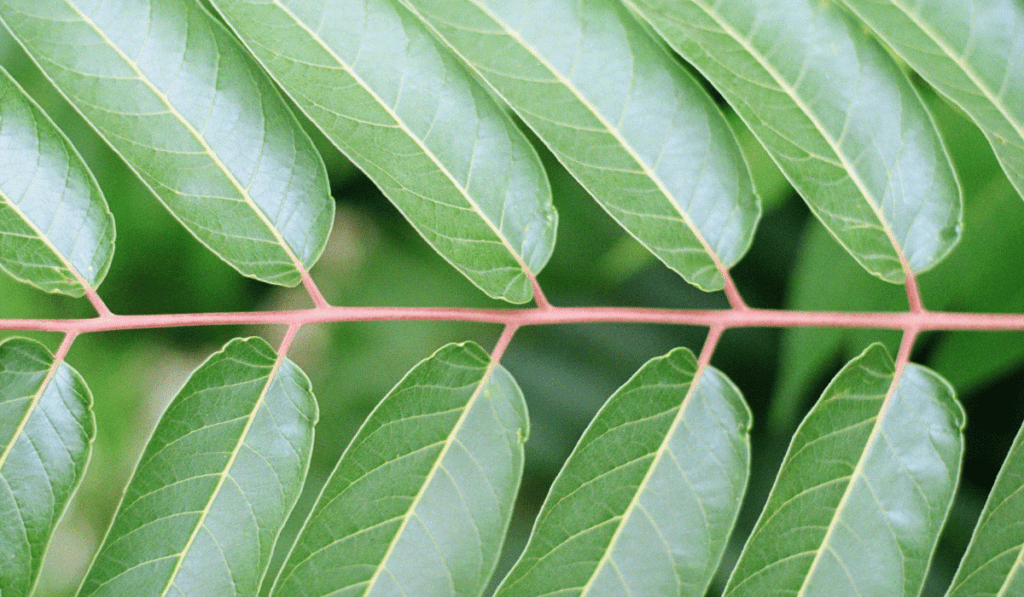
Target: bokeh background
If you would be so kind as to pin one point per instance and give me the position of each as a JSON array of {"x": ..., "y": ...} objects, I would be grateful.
[{"x": 566, "y": 372}]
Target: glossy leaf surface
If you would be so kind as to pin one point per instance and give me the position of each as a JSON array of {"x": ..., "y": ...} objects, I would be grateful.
[
  {"x": 56, "y": 232},
  {"x": 404, "y": 110},
  {"x": 177, "y": 97},
  {"x": 421, "y": 499},
  {"x": 640, "y": 134},
  {"x": 215, "y": 483},
  {"x": 46, "y": 432},
  {"x": 864, "y": 489},
  {"x": 836, "y": 113},
  {"x": 970, "y": 50},
  {"x": 645, "y": 503}
]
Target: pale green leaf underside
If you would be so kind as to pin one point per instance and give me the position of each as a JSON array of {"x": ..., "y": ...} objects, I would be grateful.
[
  {"x": 405, "y": 111},
  {"x": 637, "y": 131},
  {"x": 863, "y": 491},
  {"x": 834, "y": 110},
  {"x": 177, "y": 97},
  {"x": 970, "y": 50},
  {"x": 56, "y": 232},
  {"x": 215, "y": 483},
  {"x": 646, "y": 501},
  {"x": 46, "y": 432},
  {"x": 420, "y": 501},
  {"x": 994, "y": 562}
]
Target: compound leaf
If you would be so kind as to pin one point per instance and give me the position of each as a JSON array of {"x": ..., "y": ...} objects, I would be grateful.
[
  {"x": 420, "y": 501},
  {"x": 56, "y": 232},
  {"x": 46, "y": 432},
  {"x": 646, "y": 501},
  {"x": 178, "y": 98},
  {"x": 864, "y": 489},
  {"x": 404, "y": 110},
  {"x": 636, "y": 130},
  {"x": 834, "y": 110},
  {"x": 215, "y": 483}
]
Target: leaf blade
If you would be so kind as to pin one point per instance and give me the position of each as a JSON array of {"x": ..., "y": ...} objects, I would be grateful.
[
  {"x": 621, "y": 115},
  {"x": 385, "y": 520},
  {"x": 182, "y": 524},
  {"x": 56, "y": 231},
  {"x": 46, "y": 433},
  {"x": 639, "y": 508},
  {"x": 202, "y": 126}
]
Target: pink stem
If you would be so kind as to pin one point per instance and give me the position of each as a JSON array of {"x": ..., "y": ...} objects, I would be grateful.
[
  {"x": 314, "y": 291},
  {"x": 286, "y": 343},
  {"x": 503, "y": 342},
  {"x": 538, "y": 294}
]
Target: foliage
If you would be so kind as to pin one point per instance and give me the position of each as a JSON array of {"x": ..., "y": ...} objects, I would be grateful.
[{"x": 694, "y": 125}]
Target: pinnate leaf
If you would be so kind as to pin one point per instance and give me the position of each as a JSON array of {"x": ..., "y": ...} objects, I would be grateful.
[
  {"x": 46, "y": 432},
  {"x": 646, "y": 501},
  {"x": 864, "y": 489},
  {"x": 404, "y": 110},
  {"x": 215, "y": 483},
  {"x": 56, "y": 232},
  {"x": 420, "y": 501},
  {"x": 178, "y": 98},
  {"x": 636, "y": 130},
  {"x": 834, "y": 110}
]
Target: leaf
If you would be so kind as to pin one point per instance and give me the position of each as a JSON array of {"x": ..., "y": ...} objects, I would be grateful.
[
  {"x": 646, "y": 501},
  {"x": 616, "y": 109},
  {"x": 940, "y": 40},
  {"x": 177, "y": 97},
  {"x": 836, "y": 113},
  {"x": 994, "y": 562},
  {"x": 405, "y": 111},
  {"x": 421, "y": 499},
  {"x": 56, "y": 232},
  {"x": 215, "y": 483},
  {"x": 46, "y": 432},
  {"x": 864, "y": 489}
]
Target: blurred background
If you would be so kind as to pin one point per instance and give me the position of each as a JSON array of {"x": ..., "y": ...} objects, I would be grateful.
[{"x": 566, "y": 372}]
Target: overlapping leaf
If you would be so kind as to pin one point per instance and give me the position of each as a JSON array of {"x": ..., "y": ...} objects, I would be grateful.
[
  {"x": 970, "y": 50},
  {"x": 420, "y": 501},
  {"x": 645, "y": 503},
  {"x": 405, "y": 111},
  {"x": 56, "y": 232},
  {"x": 864, "y": 490},
  {"x": 202, "y": 125},
  {"x": 215, "y": 483},
  {"x": 621, "y": 114},
  {"x": 838, "y": 116},
  {"x": 46, "y": 428}
]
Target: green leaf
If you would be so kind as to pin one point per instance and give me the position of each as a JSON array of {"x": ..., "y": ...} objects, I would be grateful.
[
  {"x": 864, "y": 489},
  {"x": 646, "y": 501},
  {"x": 46, "y": 432},
  {"x": 215, "y": 483},
  {"x": 994, "y": 562},
  {"x": 405, "y": 111},
  {"x": 836, "y": 113},
  {"x": 177, "y": 97},
  {"x": 56, "y": 232},
  {"x": 636, "y": 130},
  {"x": 421, "y": 499},
  {"x": 940, "y": 40}
]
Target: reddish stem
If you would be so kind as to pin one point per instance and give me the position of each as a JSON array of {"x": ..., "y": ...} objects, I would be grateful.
[
  {"x": 314, "y": 291},
  {"x": 503, "y": 341}
]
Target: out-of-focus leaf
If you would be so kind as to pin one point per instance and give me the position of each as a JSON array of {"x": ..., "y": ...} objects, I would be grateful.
[
  {"x": 215, "y": 483},
  {"x": 177, "y": 97},
  {"x": 421, "y": 499},
  {"x": 646, "y": 501},
  {"x": 970, "y": 50},
  {"x": 994, "y": 562},
  {"x": 842, "y": 121},
  {"x": 405, "y": 111},
  {"x": 637, "y": 131},
  {"x": 46, "y": 431},
  {"x": 864, "y": 489},
  {"x": 56, "y": 232}
]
